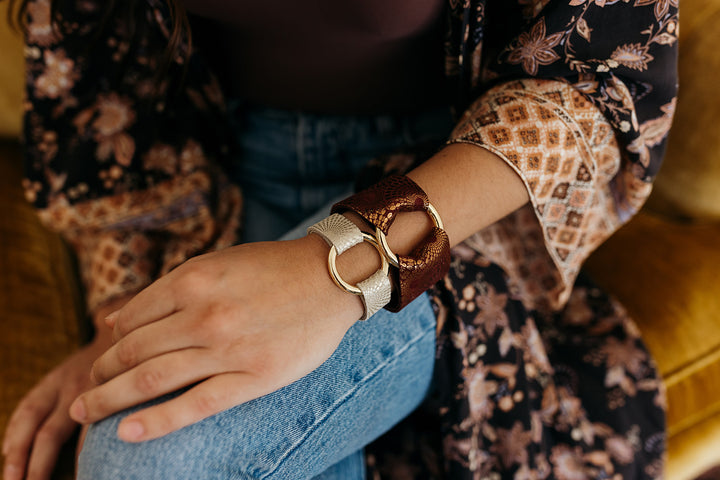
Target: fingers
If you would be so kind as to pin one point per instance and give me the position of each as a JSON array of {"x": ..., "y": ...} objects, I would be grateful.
[
  {"x": 48, "y": 441},
  {"x": 204, "y": 400},
  {"x": 153, "y": 303},
  {"x": 149, "y": 380},
  {"x": 22, "y": 427},
  {"x": 141, "y": 345}
]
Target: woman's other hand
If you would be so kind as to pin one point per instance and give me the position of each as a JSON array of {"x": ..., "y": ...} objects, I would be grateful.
[
  {"x": 40, "y": 424},
  {"x": 236, "y": 324}
]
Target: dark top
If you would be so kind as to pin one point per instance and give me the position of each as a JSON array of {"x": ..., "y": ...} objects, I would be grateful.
[{"x": 367, "y": 56}]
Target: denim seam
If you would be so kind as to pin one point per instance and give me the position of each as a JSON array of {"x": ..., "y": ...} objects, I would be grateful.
[{"x": 349, "y": 395}]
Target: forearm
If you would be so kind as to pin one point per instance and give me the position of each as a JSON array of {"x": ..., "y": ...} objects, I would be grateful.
[{"x": 470, "y": 187}]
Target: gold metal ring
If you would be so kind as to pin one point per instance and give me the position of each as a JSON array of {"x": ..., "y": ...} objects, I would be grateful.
[
  {"x": 335, "y": 275},
  {"x": 382, "y": 239}
]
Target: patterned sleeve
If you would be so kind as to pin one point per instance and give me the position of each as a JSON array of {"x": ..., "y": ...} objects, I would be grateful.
[
  {"x": 115, "y": 161},
  {"x": 579, "y": 104}
]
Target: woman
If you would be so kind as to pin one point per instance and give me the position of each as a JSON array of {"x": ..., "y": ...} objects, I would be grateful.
[{"x": 249, "y": 361}]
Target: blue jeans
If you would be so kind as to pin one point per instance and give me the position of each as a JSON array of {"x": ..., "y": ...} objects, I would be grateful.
[{"x": 291, "y": 166}]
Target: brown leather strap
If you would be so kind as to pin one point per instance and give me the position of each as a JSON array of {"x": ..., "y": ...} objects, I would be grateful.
[
  {"x": 430, "y": 259},
  {"x": 426, "y": 265},
  {"x": 380, "y": 204}
]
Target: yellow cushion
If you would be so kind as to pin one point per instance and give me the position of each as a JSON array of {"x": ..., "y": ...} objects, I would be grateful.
[
  {"x": 12, "y": 69},
  {"x": 689, "y": 181},
  {"x": 668, "y": 277},
  {"x": 694, "y": 451},
  {"x": 39, "y": 299}
]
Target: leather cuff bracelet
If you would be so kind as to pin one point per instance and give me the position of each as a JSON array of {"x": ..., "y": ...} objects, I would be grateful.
[
  {"x": 429, "y": 261},
  {"x": 341, "y": 234}
]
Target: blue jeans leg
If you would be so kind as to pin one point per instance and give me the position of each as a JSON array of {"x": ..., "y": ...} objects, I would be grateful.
[
  {"x": 378, "y": 375},
  {"x": 291, "y": 164}
]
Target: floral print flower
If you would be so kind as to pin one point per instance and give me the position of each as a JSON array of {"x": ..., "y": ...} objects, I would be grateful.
[
  {"x": 59, "y": 76},
  {"x": 480, "y": 390},
  {"x": 531, "y": 344},
  {"x": 577, "y": 311},
  {"x": 662, "y": 7},
  {"x": 511, "y": 445},
  {"x": 114, "y": 116},
  {"x": 633, "y": 55},
  {"x": 491, "y": 313},
  {"x": 192, "y": 157},
  {"x": 535, "y": 48},
  {"x": 162, "y": 158},
  {"x": 39, "y": 28},
  {"x": 652, "y": 133},
  {"x": 620, "y": 449},
  {"x": 624, "y": 354},
  {"x": 568, "y": 463}
]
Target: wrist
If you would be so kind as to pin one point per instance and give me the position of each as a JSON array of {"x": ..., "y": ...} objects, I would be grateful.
[
  {"x": 419, "y": 255},
  {"x": 352, "y": 265}
]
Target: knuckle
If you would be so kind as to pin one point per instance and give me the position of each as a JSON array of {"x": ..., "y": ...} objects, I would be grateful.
[
  {"x": 194, "y": 278},
  {"x": 120, "y": 329},
  {"x": 261, "y": 366},
  {"x": 123, "y": 325},
  {"x": 27, "y": 410},
  {"x": 165, "y": 423},
  {"x": 96, "y": 373},
  {"x": 207, "y": 404},
  {"x": 127, "y": 353},
  {"x": 97, "y": 404},
  {"x": 15, "y": 453},
  {"x": 149, "y": 381},
  {"x": 48, "y": 434},
  {"x": 217, "y": 322}
]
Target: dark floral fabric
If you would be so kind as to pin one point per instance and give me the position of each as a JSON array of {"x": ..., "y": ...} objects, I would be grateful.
[
  {"x": 539, "y": 375},
  {"x": 126, "y": 168}
]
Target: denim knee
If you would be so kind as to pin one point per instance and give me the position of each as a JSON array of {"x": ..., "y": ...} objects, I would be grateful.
[{"x": 378, "y": 375}]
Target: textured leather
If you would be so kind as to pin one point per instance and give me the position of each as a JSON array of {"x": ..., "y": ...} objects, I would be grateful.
[
  {"x": 380, "y": 204},
  {"x": 337, "y": 231},
  {"x": 426, "y": 265},
  {"x": 341, "y": 233},
  {"x": 429, "y": 261},
  {"x": 376, "y": 292}
]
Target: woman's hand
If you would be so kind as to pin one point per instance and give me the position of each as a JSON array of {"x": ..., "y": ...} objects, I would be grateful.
[
  {"x": 246, "y": 321},
  {"x": 40, "y": 424},
  {"x": 237, "y": 324}
]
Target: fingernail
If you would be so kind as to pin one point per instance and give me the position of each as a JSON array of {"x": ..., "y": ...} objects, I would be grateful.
[
  {"x": 78, "y": 412},
  {"x": 110, "y": 319},
  {"x": 131, "y": 431},
  {"x": 11, "y": 472}
]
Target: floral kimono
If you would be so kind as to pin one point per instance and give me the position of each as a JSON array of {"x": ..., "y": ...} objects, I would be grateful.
[{"x": 538, "y": 374}]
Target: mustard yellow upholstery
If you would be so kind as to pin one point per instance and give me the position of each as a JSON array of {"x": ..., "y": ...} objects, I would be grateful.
[
  {"x": 667, "y": 275},
  {"x": 39, "y": 298},
  {"x": 665, "y": 271},
  {"x": 665, "y": 264},
  {"x": 11, "y": 78},
  {"x": 690, "y": 180}
]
